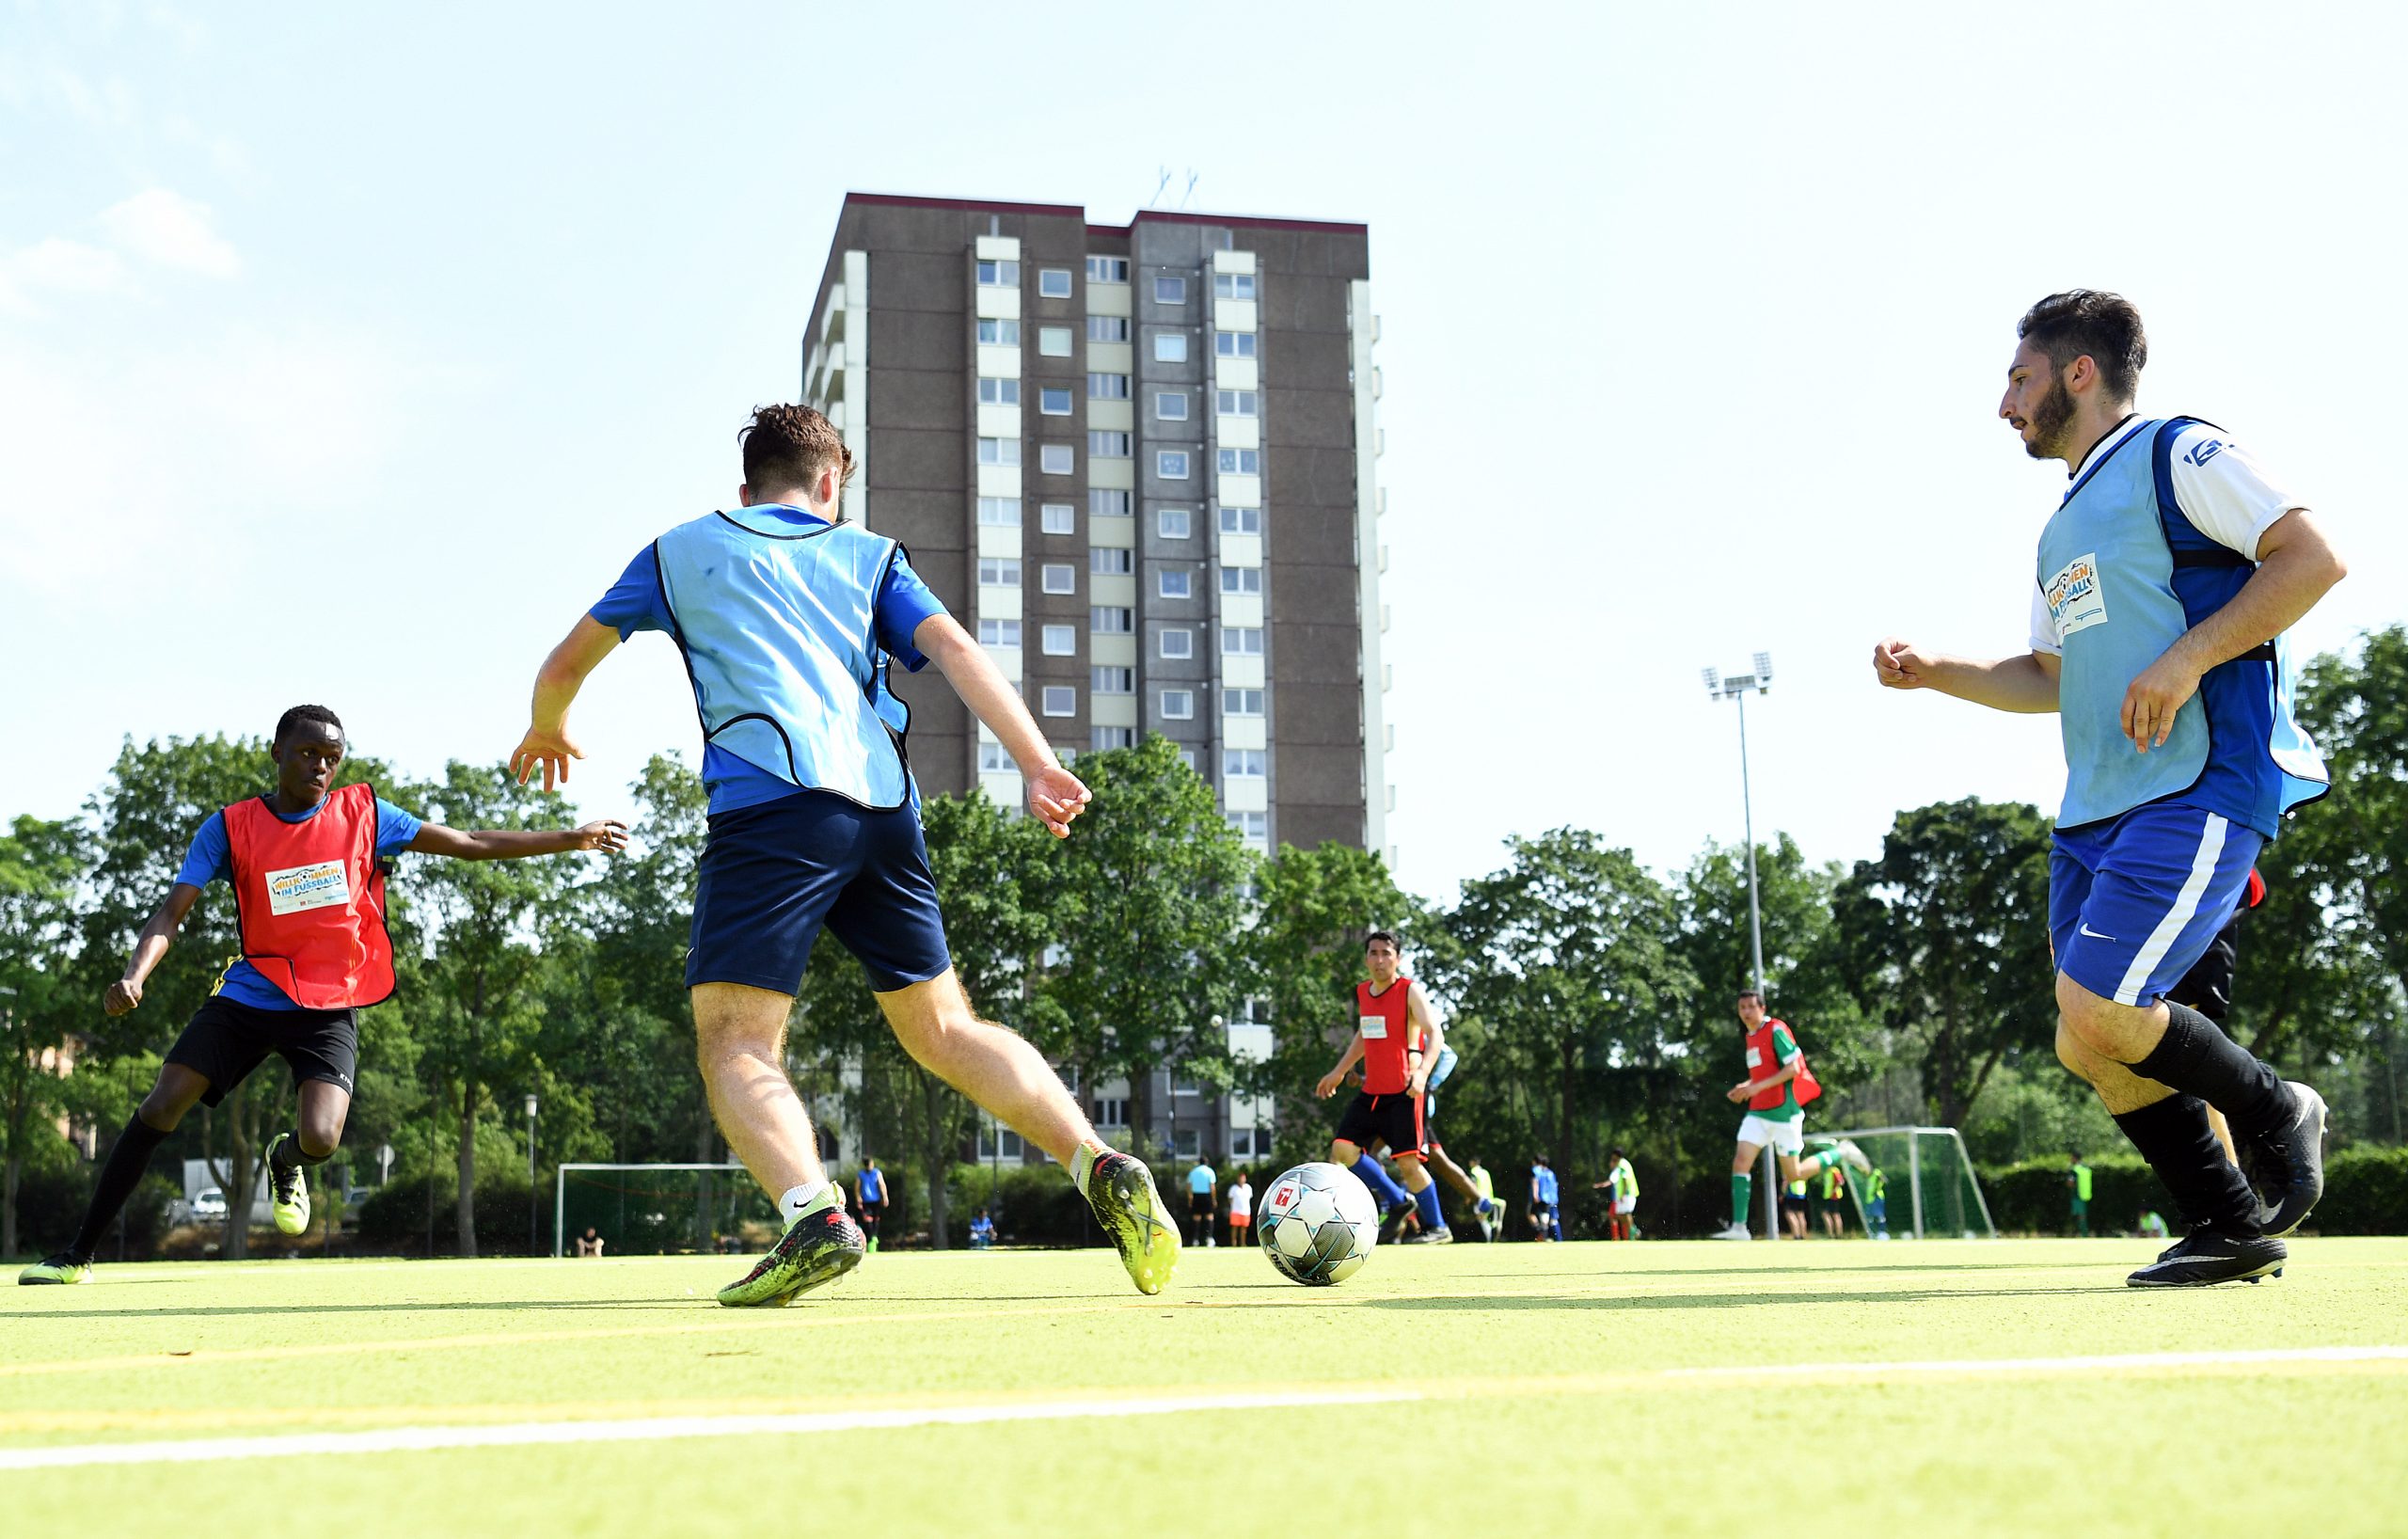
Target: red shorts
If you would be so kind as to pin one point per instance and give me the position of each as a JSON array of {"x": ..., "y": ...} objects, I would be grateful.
[{"x": 1241, "y": 1220}]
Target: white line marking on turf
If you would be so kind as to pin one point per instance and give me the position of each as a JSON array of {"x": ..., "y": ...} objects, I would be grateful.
[
  {"x": 416, "y": 1439},
  {"x": 2063, "y": 1365}
]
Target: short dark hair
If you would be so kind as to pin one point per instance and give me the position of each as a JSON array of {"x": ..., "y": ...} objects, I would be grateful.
[
  {"x": 1747, "y": 994},
  {"x": 1614, "y": 1152},
  {"x": 790, "y": 446},
  {"x": 299, "y": 714},
  {"x": 2105, "y": 326},
  {"x": 1387, "y": 935}
]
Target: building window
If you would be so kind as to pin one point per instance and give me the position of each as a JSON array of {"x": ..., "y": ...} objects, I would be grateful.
[
  {"x": 999, "y": 274},
  {"x": 1241, "y": 702},
  {"x": 1107, "y": 387},
  {"x": 1053, "y": 401},
  {"x": 1007, "y": 1146},
  {"x": 1174, "y": 641},
  {"x": 998, "y": 572},
  {"x": 1103, "y": 505},
  {"x": 1111, "y": 561},
  {"x": 1250, "y": 825},
  {"x": 1058, "y": 641},
  {"x": 999, "y": 392},
  {"x": 1240, "y": 521},
  {"x": 1113, "y": 680},
  {"x": 999, "y": 633},
  {"x": 1173, "y": 523},
  {"x": 1187, "y": 757},
  {"x": 1057, "y": 577},
  {"x": 1243, "y": 763},
  {"x": 1189, "y": 1144},
  {"x": 1232, "y": 285},
  {"x": 1108, "y": 446},
  {"x": 994, "y": 759},
  {"x": 1109, "y": 737},
  {"x": 999, "y": 451},
  {"x": 1237, "y": 403},
  {"x": 1241, "y": 641},
  {"x": 1241, "y": 1144},
  {"x": 1242, "y": 579},
  {"x": 1109, "y": 621},
  {"x": 1233, "y": 345},
  {"x": 1170, "y": 291},
  {"x": 1057, "y": 459},
  {"x": 1054, "y": 283},
  {"x": 1170, "y": 347},
  {"x": 999, "y": 333},
  {"x": 1169, "y": 463},
  {"x": 1054, "y": 341},
  {"x": 1108, "y": 269},
  {"x": 1114, "y": 1112},
  {"x": 1178, "y": 704},
  {"x": 1176, "y": 582},
  {"x": 1057, "y": 518},
  {"x": 1241, "y": 462},
  {"x": 999, "y": 512},
  {"x": 1170, "y": 405},
  {"x": 1058, "y": 700},
  {"x": 1108, "y": 328}
]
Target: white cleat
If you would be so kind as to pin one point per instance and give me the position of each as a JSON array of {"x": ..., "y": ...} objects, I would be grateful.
[{"x": 1731, "y": 1231}]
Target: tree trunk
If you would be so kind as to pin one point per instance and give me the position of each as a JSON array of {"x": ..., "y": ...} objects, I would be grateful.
[
  {"x": 237, "y": 1179},
  {"x": 8, "y": 1203},
  {"x": 937, "y": 1158},
  {"x": 465, "y": 1209}
]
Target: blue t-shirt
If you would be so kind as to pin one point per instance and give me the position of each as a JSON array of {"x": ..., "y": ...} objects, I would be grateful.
[
  {"x": 635, "y": 603},
  {"x": 1545, "y": 1178},
  {"x": 1199, "y": 1181},
  {"x": 873, "y": 1182},
  {"x": 211, "y": 859}
]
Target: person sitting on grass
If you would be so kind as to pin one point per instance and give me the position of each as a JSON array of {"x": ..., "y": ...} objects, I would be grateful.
[
  {"x": 590, "y": 1242},
  {"x": 306, "y": 864},
  {"x": 982, "y": 1231}
]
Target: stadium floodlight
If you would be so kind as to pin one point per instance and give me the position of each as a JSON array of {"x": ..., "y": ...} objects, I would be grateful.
[
  {"x": 1763, "y": 671},
  {"x": 1713, "y": 680}
]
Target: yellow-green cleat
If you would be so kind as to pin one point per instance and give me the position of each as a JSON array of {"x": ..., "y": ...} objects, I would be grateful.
[
  {"x": 821, "y": 1245},
  {"x": 59, "y": 1268},
  {"x": 288, "y": 1191},
  {"x": 1120, "y": 1191}
]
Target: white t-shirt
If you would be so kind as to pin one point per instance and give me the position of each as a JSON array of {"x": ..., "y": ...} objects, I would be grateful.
[
  {"x": 1242, "y": 1200},
  {"x": 2218, "y": 487}
]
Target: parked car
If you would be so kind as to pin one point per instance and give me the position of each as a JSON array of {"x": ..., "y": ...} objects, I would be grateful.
[{"x": 209, "y": 1206}]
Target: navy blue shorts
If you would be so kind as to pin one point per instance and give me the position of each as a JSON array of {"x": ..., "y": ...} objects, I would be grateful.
[
  {"x": 774, "y": 874},
  {"x": 2136, "y": 899}
]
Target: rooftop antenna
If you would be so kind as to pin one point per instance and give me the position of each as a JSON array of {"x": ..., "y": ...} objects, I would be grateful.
[
  {"x": 1161, "y": 182},
  {"x": 1190, "y": 187}
]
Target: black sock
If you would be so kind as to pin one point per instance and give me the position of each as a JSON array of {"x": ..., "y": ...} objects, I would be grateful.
[
  {"x": 287, "y": 1154},
  {"x": 2196, "y": 1059},
  {"x": 129, "y": 1157},
  {"x": 2180, "y": 1145}
]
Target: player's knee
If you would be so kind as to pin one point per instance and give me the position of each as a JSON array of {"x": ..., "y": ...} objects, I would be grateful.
[
  {"x": 319, "y": 1139},
  {"x": 2072, "y": 1053},
  {"x": 1343, "y": 1152}
]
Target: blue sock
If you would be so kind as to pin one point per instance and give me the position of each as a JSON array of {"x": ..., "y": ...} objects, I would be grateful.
[
  {"x": 1427, "y": 1200},
  {"x": 1388, "y": 1191}
]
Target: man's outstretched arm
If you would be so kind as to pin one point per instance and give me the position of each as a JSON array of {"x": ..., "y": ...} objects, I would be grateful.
[
  {"x": 547, "y": 743},
  {"x": 517, "y": 844},
  {"x": 2025, "y": 684},
  {"x": 1056, "y": 795}
]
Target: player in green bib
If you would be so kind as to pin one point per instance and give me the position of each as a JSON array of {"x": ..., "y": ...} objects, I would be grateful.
[
  {"x": 1775, "y": 1092},
  {"x": 2078, "y": 1183},
  {"x": 1623, "y": 1182}
]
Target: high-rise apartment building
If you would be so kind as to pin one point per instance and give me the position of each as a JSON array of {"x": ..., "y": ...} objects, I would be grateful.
[{"x": 1137, "y": 462}]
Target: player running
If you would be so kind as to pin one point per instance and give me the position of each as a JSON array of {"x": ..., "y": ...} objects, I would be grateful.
[
  {"x": 788, "y": 617},
  {"x": 1396, "y": 1039},
  {"x": 2164, "y": 584},
  {"x": 869, "y": 1200},
  {"x": 1778, "y": 1086},
  {"x": 307, "y": 864}
]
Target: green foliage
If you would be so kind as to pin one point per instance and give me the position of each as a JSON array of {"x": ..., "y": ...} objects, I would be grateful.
[
  {"x": 394, "y": 1218},
  {"x": 2366, "y": 1192},
  {"x": 2032, "y": 1197}
]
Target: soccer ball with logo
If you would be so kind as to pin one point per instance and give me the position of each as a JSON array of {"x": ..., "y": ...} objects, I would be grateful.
[{"x": 1318, "y": 1224}]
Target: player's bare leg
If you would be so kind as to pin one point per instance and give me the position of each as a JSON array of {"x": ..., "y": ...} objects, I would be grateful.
[
  {"x": 739, "y": 1041},
  {"x": 1343, "y": 1152},
  {"x": 996, "y": 1068}
]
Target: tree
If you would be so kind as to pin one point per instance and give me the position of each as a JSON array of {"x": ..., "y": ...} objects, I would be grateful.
[
  {"x": 1148, "y": 897},
  {"x": 1806, "y": 973},
  {"x": 41, "y": 864},
  {"x": 1947, "y": 943}
]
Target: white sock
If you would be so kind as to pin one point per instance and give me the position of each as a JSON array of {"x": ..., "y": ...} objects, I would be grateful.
[
  {"x": 798, "y": 1198},
  {"x": 1083, "y": 1161}
]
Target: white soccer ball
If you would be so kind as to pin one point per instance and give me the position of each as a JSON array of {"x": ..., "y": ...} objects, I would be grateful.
[{"x": 1318, "y": 1224}]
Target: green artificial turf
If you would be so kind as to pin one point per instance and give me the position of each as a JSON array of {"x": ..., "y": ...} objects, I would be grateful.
[{"x": 1550, "y": 1384}]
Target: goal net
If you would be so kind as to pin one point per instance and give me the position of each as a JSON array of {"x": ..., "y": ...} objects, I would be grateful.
[
  {"x": 1928, "y": 1189},
  {"x": 657, "y": 1210}
]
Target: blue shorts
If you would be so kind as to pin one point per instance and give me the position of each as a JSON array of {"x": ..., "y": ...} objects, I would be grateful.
[
  {"x": 2136, "y": 900},
  {"x": 774, "y": 873}
]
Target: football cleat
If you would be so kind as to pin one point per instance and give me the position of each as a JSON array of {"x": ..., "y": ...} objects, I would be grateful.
[
  {"x": 2289, "y": 1163},
  {"x": 1731, "y": 1231},
  {"x": 818, "y": 1247},
  {"x": 2208, "y": 1256},
  {"x": 288, "y": 1191},
  {"x": 1392, "y": 1221},
  {"x": 1120, "y": 1192},
  {"x": 61, "y": 1267}
]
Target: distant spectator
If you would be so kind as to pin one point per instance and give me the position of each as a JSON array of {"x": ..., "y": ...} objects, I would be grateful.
[
  {"x": 2152, "y": 1225},
  {"x": 982, "y": 1231},
  {"x": 869, "y": 1194},
  {"x": 1203, "y": 1185},
  {"x": 2077, "y": 1184},
  {"x": 589, "y": 1243},
  {"x": 1834, "y": 1200},
  {"x": 1877, "y": 1203},
  {"x": 1545, "y": 1199},
  {"x": 1793, "y": 1210},
  {"x": 1240, "y": 1210},
  {"x": 1485, "y": 1210}
]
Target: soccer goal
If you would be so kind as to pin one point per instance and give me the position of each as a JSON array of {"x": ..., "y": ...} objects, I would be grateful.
[
  {"x": 1929, "y": 1189},
  {"x": 653, "y": 1210}
]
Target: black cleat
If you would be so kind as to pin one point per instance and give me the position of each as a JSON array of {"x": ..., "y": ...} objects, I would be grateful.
[
  {"x": 2208, "y": 1256},
  {"x": 1392, "y": 1222},
  {"x": 2287, "y": 1164}
]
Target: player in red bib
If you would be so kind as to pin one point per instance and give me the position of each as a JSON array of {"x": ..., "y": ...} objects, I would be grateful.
[
  {"x": 1778, "y": 1087},
  {"x": 306, "y": 865},
  {"x": 1396, "y": 1041}
]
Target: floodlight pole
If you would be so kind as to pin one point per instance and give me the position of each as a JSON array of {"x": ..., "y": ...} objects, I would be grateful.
[
  {"x": 1736, "y": 688},
  {"x": 534, "y": 1207}
]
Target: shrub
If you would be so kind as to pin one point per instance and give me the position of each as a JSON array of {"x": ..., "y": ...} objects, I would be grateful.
[
  {"x": 2366, "y": 1192},
  {"x": 394, "y": 1218}
]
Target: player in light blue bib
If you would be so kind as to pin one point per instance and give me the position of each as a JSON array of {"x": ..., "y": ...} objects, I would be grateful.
[{"x": 2164, "y": 584}]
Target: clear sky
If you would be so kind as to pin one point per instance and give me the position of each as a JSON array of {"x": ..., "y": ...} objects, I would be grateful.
[{"x": 347, "y": 356}]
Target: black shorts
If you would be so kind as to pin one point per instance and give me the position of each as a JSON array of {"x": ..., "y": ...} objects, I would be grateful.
[
  {"x": 226, "y": 1040},
  {"x": 1394, "y": 1120},
  {"x": 772, "y": 875},
  {"x": 1200, "y": 1205},
  {"x": 872, "y": 1212}
]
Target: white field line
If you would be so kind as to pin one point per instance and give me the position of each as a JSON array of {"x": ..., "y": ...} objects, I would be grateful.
[
  {"x": 2057, "y": 1365},
  {"x": 414, "y": 1439}
]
